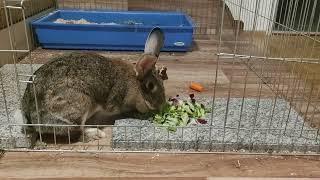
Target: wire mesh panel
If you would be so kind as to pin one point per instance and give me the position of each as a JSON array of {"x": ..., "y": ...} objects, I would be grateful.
[
  {"x": 262, "y": 85},
  {"x": 32, "y": 7},
  {"x": 268, "y": 40}
]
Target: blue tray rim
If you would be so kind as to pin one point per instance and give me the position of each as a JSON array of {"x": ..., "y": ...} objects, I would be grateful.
[{"x": 40, "y": 21}]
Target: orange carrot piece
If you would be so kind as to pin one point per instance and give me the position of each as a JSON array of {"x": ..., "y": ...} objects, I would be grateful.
[{"x": 197, "y": 87}]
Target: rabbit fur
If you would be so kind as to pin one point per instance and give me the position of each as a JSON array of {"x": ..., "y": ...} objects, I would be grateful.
[{"x": 90, "y": 89}]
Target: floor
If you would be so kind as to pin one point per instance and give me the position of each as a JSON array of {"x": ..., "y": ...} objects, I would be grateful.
[{"x": 154, "y": 166}]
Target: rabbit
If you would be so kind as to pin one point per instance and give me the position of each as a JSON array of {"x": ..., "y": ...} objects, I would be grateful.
[{"x": 82, "y": 88}]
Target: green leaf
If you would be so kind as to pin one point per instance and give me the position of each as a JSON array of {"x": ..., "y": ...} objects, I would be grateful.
[
  {"x": 172, "y": 108},
  {"x": 172, "y": 128},
  {"x": 184, "y": 119},
  {"x": 188, "y": 110},
  {"x": 202, "y": 112}
]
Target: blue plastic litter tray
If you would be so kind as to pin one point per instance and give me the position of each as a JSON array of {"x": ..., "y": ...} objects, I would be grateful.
[{"x": 112, "y": 30}]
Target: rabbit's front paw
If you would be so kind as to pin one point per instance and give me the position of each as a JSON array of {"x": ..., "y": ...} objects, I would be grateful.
[
  {"x": 40, "y": 145},
  {"x": 93, "y": 134}
]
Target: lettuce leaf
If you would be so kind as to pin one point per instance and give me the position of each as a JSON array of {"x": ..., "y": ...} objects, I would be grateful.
[{"x": 179, "y": 113}]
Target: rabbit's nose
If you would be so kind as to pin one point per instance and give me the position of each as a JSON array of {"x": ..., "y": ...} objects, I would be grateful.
[{"x": 150, "y": 106}]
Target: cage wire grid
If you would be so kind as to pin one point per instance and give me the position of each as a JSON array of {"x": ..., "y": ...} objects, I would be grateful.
[{"x": 278, "y": 48}]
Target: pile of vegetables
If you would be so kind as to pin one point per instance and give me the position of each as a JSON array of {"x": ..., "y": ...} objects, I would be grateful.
[{"x": 179, "y": 112}]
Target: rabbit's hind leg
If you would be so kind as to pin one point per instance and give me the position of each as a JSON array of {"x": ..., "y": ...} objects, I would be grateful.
[
  {"x": 68, "y": 110},
  {"x": 101, "y": 120},
  {"x": 92, "y": 130},
  {"x": 93, "y": 134}
]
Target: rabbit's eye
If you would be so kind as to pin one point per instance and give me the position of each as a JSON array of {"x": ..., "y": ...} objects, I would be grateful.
[{"x": 151, "y": 87}]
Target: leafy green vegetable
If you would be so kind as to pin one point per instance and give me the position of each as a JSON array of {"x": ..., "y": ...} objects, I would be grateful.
[{"x": 179, "y": 113}]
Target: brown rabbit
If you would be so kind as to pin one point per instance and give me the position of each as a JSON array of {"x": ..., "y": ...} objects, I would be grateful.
[{"x": 87, "y": 88}]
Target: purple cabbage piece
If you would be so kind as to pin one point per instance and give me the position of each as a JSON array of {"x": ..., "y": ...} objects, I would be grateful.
[{"x": 202, "y": 121}]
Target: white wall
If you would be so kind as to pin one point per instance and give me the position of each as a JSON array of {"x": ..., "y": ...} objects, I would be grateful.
[{"x": 248, "y": 8}]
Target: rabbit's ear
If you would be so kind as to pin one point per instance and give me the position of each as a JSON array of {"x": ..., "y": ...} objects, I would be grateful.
[
  {"x": 154, "y": 42},
  {"x": 162, "y": 71},
  {"x": 145, "y": 65}
]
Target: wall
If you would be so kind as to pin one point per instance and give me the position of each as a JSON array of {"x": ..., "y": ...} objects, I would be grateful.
[
  {"x": 265, "y": 13},
  {"x": 203, "y": 12},
  {"x": 94, "y": 4}
]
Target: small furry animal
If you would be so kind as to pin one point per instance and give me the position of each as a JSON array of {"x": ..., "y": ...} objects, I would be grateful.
[{"x": 90, "y": 89}]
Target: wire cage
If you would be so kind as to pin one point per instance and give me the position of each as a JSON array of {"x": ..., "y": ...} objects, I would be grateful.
[{"x": 260, "y": 62}]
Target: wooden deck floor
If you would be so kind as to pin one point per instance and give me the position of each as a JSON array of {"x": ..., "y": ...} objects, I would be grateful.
[
  {"x": 183, "y": 68},
  {"x": 65, "y": 165},
  {"x": 153, "y": 166}
]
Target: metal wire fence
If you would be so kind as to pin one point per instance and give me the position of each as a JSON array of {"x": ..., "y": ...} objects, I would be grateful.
[
  {"x": 270, "y": 103},
  {"x": 32, "y": 7},
  {"x": 277, "y": 42}
]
